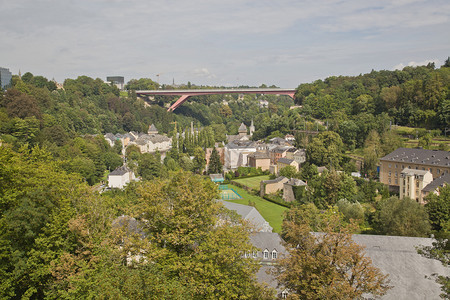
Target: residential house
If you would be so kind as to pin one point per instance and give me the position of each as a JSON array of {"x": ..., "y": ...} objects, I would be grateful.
[
  {"x": 284, "y": 162},
  {"x": 435, "y": 185},
  {"x": 412, "y": 182},
  {"x": 277, "y": 153},
  {"x": 299, "y": 155},
  {"x": 391, "y": 165},
  {"x": 270, "y": 248},
  {"x": 120, "y": 177},
  {"x": 259, "y": 160}
]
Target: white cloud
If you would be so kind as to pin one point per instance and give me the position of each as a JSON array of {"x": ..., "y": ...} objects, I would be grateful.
[
  {"x": 400, "y": 66},
  {"x": 203, "y": 72}
]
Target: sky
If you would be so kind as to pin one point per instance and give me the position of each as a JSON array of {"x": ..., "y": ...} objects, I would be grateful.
[{"x": 221, "y": 43}]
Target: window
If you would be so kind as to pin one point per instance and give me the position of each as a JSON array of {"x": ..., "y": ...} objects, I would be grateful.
[
  {"x": 247, "y": 254},
  {"x": 396, "y": 181},
  {"x": 255, "y": 254},
  {"x": 266, "y": 254},
  {"x": 438, "y": 171},
  {"x": 389, "y": 180},
  {"x": 396, "y": 166},
  {"x": 390, "y": 173},
  {"x": 284, "y": 294},
  {"x": 396, "y": 174},
  {"x": 274, "y": 254},
  {"x": 389, "y": 165}
]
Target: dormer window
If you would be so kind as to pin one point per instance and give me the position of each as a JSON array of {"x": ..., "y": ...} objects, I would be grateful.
[
  {"x": 255, "y": 254},
  {"x": 266, "y": 254},
  {"x": 274, "y": 254}
]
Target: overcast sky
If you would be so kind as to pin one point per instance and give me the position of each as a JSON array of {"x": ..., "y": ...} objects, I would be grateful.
[{"x": 226, "y": 42}]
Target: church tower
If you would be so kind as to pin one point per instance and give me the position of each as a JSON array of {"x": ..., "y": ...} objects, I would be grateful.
[{"x": 252, "y": 128}]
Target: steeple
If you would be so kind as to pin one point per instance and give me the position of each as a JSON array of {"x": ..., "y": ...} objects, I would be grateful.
[
  {"x": 242, "y": 129},
  {"x": 252, "y": 128},
  {"x": 152, "y": 129}
]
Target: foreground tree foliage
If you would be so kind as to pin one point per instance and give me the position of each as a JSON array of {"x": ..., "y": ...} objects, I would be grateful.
[
  {"x": 195, "y": 239},
  {"x": 325, "y": 265},
  {"x": 58, "y": 239}
]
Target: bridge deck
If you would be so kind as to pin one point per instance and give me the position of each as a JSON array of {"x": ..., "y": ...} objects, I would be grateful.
[{"x": 188, "y": 93}]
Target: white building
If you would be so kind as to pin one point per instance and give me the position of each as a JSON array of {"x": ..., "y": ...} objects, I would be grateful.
[
  {"x": 412, "y": 182},
  {"x": 120, "y": 177},
  {"x": 236, "y": 153}
]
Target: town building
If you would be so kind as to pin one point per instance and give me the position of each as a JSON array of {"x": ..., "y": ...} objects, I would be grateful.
[
  {"x": 288, "y": 188},
  {"x": 272, "y": 186},
  {"x": 437, "y": 162},
  {"x": 120, "y": 177},
  {"x": 236, "y": 153},
  {"x": 412, "y": 182},
  {"x": 435, "y": 185},
  {"x": 147, "y": 143},
  {"x": 117, "y": 81},
  {"x": 5, "y": 78},
  {"x": 259, "y": 160},
  {"x": 284, "y": 162}
]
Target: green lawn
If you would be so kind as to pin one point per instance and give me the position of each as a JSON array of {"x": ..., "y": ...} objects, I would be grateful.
[
  {"x": 271, "y": 212},
  {"x": 252, "y": 182}
]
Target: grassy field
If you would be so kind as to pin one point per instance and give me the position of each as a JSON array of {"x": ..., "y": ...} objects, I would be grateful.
[
  {"x": 271, "y": 212},
  {"x": 252, "y": 182}
]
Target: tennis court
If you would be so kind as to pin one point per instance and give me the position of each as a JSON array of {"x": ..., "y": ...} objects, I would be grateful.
[{"x": 227, "y": 193}]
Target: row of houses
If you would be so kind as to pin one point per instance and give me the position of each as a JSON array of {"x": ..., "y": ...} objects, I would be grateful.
[
  {"x": 149, "y": 142},
  {"x": 241, "y": 151}
]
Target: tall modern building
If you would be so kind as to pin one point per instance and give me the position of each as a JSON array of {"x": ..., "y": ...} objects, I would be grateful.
[
  {"x": 117, "y": 80},
  {"x": 5, "y": 78}
]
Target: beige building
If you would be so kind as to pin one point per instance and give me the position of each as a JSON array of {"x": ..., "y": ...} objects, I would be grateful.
[
  {"x": 259, "y": 160},
  {"x": 284, "y": 162},
  {"x": 272, "y": 186},
  {"x": 412, "y": 182},
  {"x": 434, "y": 161}
]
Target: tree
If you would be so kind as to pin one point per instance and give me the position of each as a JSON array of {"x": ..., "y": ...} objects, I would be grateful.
[
  {"x": 326, "y": 265},
  {"x": 288, "y": 171},
  {"x": 199, "y": 160},
  {"x": 215, "y": 166},
  {"x": 180, "y": 218},
  {"x": 149, "y": 166},
  {"x": 438, "y": 208},
  {"x": 404, "y": 217},
  {"x": 440, "y": 250},
  {"x": 325, "y": 149}
]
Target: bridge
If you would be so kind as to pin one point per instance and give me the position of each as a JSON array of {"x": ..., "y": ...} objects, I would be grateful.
[{"x": 185, "y": 94}]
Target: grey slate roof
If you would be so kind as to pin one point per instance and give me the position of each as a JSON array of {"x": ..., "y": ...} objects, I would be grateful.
[
  {"x": 120, "y": 171},
  {"x": 296, "y": 182},
  {"x": 419, "y": 156},
  {"x": 152, "y": 128},
  {"x": 278, "y": 179},
  {"x": 438, "y": 182},
  {"x": 398, "y": 257},
  {"x": 259, "y": 155},
  {"x": 129, "y": 225},
  {"x": 250, "y": 214},
  {"x": 285, "y": 160},
  {"x": 241, "y": 144},
  {"x": 242, "y": 128},
  {"x": 412, "y": 172}
]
